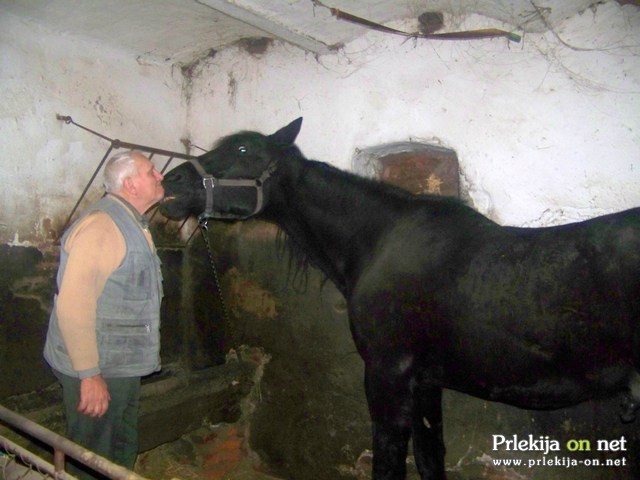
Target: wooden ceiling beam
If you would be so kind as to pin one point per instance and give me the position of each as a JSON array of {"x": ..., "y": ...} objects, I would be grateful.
[{"x": 268, "y": 26}]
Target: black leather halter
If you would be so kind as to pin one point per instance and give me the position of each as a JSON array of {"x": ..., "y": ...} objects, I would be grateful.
[{"x": 210, "y": 182}]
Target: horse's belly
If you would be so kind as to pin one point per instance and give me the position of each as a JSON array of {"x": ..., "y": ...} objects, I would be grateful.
[{"x": 541, "y": 391}]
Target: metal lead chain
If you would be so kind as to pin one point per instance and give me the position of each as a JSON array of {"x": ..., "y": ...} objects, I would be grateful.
[{"x": 204, "y": 230}]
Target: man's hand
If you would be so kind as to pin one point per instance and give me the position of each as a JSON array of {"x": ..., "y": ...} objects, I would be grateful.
[{"x": 94, "y": 396}]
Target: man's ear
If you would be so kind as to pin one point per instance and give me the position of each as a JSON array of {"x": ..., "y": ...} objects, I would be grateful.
[{"x": 129, "y": 185}]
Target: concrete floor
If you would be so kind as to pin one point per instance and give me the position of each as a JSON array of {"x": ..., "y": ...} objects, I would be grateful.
[
  {"x": 213, "y": 452},
  {"x": 220, "y": 452}
]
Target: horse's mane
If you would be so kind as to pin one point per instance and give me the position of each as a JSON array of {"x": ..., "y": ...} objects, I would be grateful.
[
  {"x": 232, "y": 136},
  {"x": 298, "y": 261},
  {"x": 299, "y": 258}
]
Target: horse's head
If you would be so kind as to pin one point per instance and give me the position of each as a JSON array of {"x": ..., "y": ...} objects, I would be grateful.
[{"x": 228, "y": 181}]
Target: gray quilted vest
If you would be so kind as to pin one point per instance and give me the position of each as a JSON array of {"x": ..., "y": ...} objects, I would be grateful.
[{"x": 128, "y": 310}]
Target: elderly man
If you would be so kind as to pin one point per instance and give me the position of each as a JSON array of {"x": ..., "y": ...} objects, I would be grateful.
[{"x": 104, "y": 329}]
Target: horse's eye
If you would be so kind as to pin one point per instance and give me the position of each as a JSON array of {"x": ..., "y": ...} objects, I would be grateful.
[{"x": 242, "y": 150}]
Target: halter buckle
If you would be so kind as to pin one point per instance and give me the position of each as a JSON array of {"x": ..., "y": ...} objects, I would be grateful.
[{"x": 208, "y": 182}]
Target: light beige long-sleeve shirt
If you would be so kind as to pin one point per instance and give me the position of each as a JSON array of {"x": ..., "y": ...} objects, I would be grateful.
[{"x": 96, "y": 248}]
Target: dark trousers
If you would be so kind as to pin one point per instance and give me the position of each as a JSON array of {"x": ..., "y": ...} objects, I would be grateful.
[{"x": 115, "y": 434}]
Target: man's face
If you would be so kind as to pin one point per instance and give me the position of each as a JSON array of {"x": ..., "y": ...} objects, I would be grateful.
[{"x": 147, "y": 183}]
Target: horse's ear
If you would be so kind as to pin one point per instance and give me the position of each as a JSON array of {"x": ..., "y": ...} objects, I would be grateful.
[{"x": 287, "y": 135}]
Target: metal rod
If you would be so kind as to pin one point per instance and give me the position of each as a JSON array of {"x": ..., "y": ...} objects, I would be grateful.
[
  {"x": 67, "y": 119},
  {"x": 191, "y": 235},
  {"x": 86, "y": 188},
  {"x": 134, "y": 146},
  {"x": 118, "y": 144},
  {"x": 184, "y": 222},
  {"x": 58, "y": 460},
  {"x": 87, "y": 457},
  {"x": 30, "y": 459},
  {"x": 166, "y": 165}
]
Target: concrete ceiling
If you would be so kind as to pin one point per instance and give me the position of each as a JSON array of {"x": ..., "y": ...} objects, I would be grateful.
[{"x": 181, "y": 31}]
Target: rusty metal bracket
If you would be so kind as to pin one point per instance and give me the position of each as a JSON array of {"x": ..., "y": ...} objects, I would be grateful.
[{"x": 115, "y": 144}]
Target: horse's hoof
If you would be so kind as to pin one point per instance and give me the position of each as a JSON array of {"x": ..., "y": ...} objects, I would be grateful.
[
  {"x": 628, "y": 417},
  {"x": 629, "y": 407}
]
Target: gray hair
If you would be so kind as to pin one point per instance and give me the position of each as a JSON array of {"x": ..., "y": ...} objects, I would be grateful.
[{"x": 119, "y": 167}]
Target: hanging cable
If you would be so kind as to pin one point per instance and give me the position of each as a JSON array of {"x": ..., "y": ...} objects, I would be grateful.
[{"x": 465, "y": 35}]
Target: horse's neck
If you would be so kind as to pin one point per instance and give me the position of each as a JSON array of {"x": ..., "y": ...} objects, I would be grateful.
[{"x": 335, "y": 217}]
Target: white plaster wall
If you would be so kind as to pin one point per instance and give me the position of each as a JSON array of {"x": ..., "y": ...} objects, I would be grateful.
[
  {"x": 45, "y": 164},
  {"x": 547, "y": 131}
]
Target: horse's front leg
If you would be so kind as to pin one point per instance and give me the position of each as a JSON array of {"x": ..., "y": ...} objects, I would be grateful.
[
  {"x": 428, "y": 441},
  {"x": 390, "y": 407}
]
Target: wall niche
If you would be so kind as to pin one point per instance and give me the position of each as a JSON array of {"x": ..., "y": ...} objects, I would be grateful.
[{"x": 420, "y": 168}]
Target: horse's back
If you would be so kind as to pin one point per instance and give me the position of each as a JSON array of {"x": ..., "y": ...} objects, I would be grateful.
[{"x": 464, "y": 294}]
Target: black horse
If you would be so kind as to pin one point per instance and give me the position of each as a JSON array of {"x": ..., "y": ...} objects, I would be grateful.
[{"x": 439, "y": 296}]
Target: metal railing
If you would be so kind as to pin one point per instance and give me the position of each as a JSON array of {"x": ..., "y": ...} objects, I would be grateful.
[{"x": 61, "y": 446}]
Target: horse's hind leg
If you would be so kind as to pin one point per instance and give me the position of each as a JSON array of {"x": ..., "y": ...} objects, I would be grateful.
[
  {"x": 631, "y": 401},
  {"x": 428, "y": 442}
]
